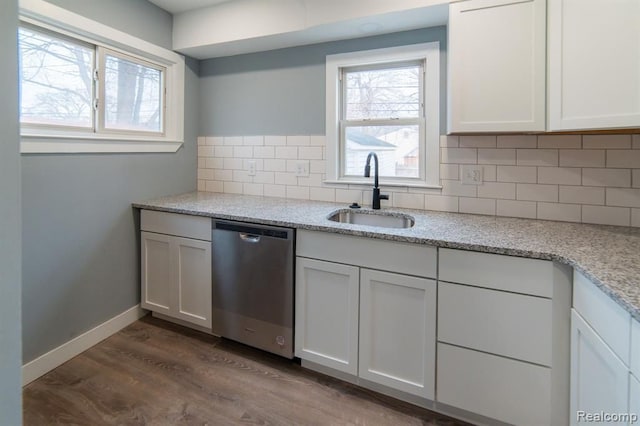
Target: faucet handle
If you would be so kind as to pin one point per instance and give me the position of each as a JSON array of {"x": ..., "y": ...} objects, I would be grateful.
[{"x": 384, "y": 196}]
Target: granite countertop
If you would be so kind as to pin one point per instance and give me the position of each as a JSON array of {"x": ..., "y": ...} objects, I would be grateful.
[{"x": 608, "y": 255}]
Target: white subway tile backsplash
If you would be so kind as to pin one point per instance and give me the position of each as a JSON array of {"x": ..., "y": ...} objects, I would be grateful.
[
  {"x": 284, "y": 178},
  {"x": 264, "y": 152},
  {"x": 560, "y": 141},
  {"x": 635, "y": 217},
  {"x": 221, "y": 152},
  {"x": 517, "y": 141},
  {"x": 310, "y": 153},
  {"x": 253, "y": 189},
  {"x": 606, "y": 177},
  {"x": 214, "y": 140},
  {"x": 214, "y": 163},
  {"x": 233, "y": 187},
  {"x": 275, "y": 191},
  {"x": 628, "y": 159},
  {"x": 518, "y": 174},
  {"x": 223, "y": 175},
  {"x": 582, "y": 157},
  {"x": 576, "y": 178},
  {"x": 489, "y": 173},
  {"x": 537, "y": 157},
  {"x": 322, "y": 194},
  {"x": 298, "y": 192},
  {"x": 606, "y": 215},
  {"x": 287, "y": 152},
  {"x": 449, "y": 141},
  {"x": 299, "y": 140},
  {"x": 441, "y": 203},
  {"x": 560, "y": 175},
  {"x": 214, "y": 186},
  {"x": 455, "y": 187},
  {"x": 253, "y": 140},
  {"x": 497, "y": 190},
  {"x": 277, "y": 165},
  {"x": 497, "y": 156},
  {"x": 477, "y": 141},
  {"x": 535, "y": 192},
  {"x": 558, "y": 211},
  {"x": 232, "y": 140},
  {"x": 525, "y": 209},
  {"x": 408, "y": 201},
  {"x": 449, "y": 171},
  {"x": 581, "y": 195},
  {"x": 477, "y": 205},
  {"x": 606, "y": 142},
  {"x": 275, "y": 140},
  {"x": 458, "y": 155},
  {"x": 623, "y": 197}
]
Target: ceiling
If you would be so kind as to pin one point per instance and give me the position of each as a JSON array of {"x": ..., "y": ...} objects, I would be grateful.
[{"x": 177, "y": 6}]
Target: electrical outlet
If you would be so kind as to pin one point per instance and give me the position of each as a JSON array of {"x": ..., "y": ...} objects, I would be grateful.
[
  {"x": 302, "y": 168},
  {"x": 471, "y": 175},
  {"x": 251, "y": 167}
]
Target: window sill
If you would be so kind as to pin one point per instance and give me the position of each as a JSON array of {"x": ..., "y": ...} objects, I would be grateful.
[
  {"x": 91, "y": 143},
  {"x": 420, "y": 185}
]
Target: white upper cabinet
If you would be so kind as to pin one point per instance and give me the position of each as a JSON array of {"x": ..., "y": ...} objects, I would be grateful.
[
  {"x": 594, "y": 64},
  {"x": 497, "y": 66}
]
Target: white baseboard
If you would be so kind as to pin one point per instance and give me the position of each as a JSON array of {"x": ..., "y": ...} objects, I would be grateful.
[{"x": 63, "y": 353}]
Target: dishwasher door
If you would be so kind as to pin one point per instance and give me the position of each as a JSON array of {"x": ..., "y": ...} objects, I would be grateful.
[{"x": 252, "y": 278}]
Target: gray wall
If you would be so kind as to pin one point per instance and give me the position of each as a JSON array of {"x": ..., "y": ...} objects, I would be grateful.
[
  {"x": 80, "y": 259},
  {"x": 10, "y": 348},
  {"x": 282, "y": 92}
]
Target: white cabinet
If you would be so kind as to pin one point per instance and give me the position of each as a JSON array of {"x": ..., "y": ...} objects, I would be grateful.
[
  {"x": 497, "y": 66},
  {"x": 377, "y": 326},
  {"x": 397, "y": 332},
  {"x": 503, "y": 337},
  {"x": 602, "y": 353},
  {"x": 594, "y": 64},
  {"x": 326, "y": 323},
  {"x": 176, "y": 271},
  {"x": 599, "y": 380}
]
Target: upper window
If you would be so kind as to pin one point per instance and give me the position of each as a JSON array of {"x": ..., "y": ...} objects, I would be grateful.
[
  {"x": 85, "y": 87},
  {"x": 377, "y": 102}
]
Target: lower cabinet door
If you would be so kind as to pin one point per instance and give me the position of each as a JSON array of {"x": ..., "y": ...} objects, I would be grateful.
[
  {"x": 156, "y": 274},
  {"x": 599, "y": 380},
  {"x": 192, "y": 269},
  {"x": 398, "y": 331},
  {"x": 501, "y": 388},
  {"x": 326, "y": 329}
]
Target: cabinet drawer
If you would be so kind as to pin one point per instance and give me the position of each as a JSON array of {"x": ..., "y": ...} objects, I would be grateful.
[
  {"x": 503, "y": 389},
  {"x": 392, "y": 256},
  {"x": 606, "y": 317},
  {"x": 181, "y": 225},
  {"x": 635, "y": 348},
  {"x": 493, "y": 321},
  {"x": 516, "y": 274}
]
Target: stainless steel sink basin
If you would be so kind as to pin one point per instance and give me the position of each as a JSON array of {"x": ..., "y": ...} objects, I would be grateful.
[{"x": 367, "y": 217}]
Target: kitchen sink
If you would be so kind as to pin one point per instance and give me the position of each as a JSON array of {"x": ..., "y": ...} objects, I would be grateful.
[{"x": 370, "y": 218}]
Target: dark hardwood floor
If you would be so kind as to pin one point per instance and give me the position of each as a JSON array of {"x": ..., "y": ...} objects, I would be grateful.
[{"x": 157, "y": 373}]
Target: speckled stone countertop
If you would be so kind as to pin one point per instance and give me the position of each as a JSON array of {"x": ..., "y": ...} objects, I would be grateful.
[{"x": 608, "y": 255}]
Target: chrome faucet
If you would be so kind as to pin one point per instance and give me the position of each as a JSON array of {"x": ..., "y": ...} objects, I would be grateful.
[{"x": 375, "y": 203}]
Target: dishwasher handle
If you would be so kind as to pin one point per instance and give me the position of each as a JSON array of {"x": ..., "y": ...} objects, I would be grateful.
[{"x": 249, "y": 238}]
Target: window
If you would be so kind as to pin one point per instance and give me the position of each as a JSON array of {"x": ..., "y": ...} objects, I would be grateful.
[
  {"x": 87, "y": 88},
  {"x": 384, "y": 101}
]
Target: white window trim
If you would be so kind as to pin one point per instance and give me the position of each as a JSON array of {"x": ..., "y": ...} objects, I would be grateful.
[
  {"x": 430, "y": 52},
  {"x": 49, "y": 16}
]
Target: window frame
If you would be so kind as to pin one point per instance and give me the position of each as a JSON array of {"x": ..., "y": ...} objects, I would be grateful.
[
  {"x": 62, "y": 23},
  {"x": 429, "y": 164}
]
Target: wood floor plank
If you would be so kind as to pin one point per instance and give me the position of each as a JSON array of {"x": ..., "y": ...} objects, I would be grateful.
[{"x": 157, "y": 373}]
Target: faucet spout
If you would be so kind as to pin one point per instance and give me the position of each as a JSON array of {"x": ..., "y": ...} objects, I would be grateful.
[{"x": 375, "y": 203}]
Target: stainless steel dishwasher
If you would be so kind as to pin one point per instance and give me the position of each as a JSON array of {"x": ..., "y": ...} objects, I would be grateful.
[{"x": 252, "y": 278}]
